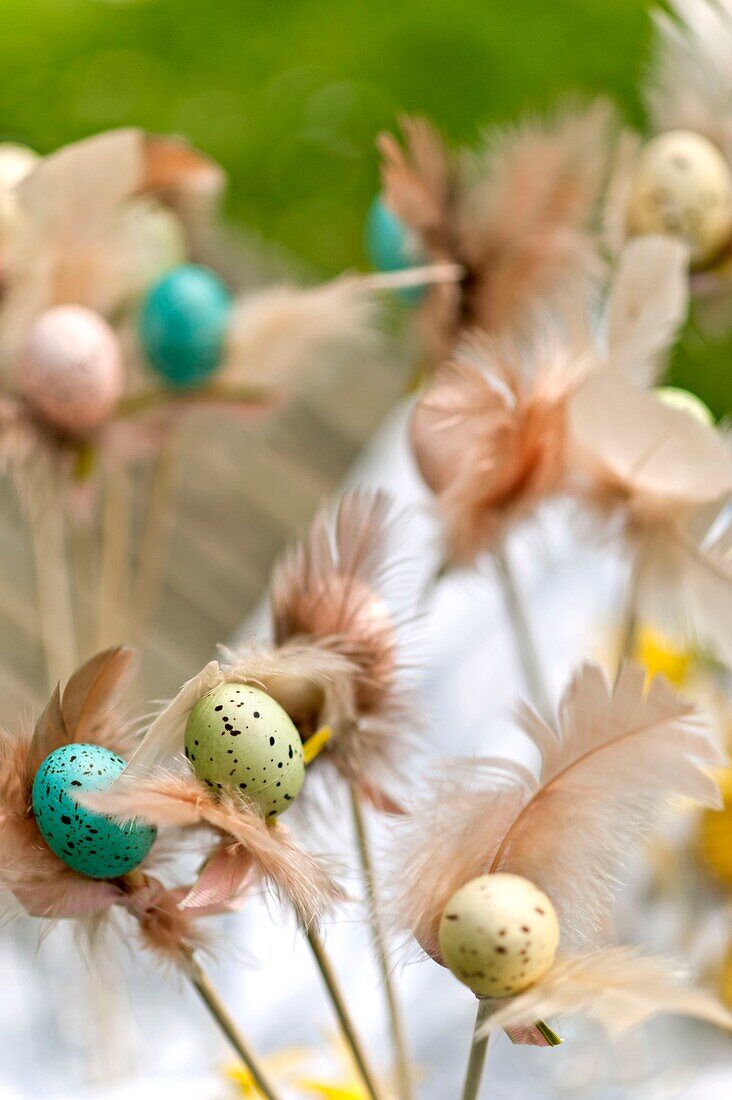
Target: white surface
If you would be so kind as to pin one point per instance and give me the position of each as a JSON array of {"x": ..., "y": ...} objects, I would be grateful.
[{"x": 158, "y": 1035}]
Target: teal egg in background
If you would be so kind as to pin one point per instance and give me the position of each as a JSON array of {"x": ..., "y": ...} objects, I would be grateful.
[
  {"x": 183, "y": 325},
  {"x": 88, "y": 842},
  {"x": 389, "y": 246}
]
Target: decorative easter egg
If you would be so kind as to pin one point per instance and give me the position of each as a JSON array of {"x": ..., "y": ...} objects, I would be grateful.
[
  {"x": 183, "y": 325},
  {"x": 499, "y": 934},
  {"x": 682, "y": 186},
  {"x": 16, "y": 161},
  {"x": 71, "y": 368},
  {"x": 686, "y": 402},
  {"x": 391, "y": 246},
  {"x": 90, "y": 843},
  {"x": 239, "y": 739}
]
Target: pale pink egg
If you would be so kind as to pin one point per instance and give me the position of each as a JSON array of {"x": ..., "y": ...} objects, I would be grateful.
[{"x": 71, "y": 371}]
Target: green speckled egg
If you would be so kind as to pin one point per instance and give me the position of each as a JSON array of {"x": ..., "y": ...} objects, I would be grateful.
[
  {"x": 90, "y": 843},
  {"x": 239, "y": 739}
]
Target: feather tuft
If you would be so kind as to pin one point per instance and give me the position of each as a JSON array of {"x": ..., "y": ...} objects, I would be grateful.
[
  {"x": 614, "y": 986},
  {"x": 617, "y": 757}
]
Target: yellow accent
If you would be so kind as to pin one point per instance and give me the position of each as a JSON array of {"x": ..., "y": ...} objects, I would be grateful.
[
  {"x": 725, "y": 983},
  {"x": 332, "y": 1092},
  {"x": 714, "y": 839},
  {"x": 315, "y": 744},
  {"x": 284, "y": 1062},
  {"x": 84, "y": 461},
  {"x": 659, "y": 654}
]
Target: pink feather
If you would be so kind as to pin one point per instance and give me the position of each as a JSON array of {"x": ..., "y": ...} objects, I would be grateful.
[
  {"x": 618, "y": 755},
  {"x": 615, "y": 986}
]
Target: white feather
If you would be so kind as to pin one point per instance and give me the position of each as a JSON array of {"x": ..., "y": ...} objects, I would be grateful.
[
  {"x": 277, "y": 333},
  {"x": 616, "y": 987},
  {"x": 648, "y": 303}
]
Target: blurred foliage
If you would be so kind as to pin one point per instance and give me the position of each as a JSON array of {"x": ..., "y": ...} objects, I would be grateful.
[{"x": 289, "y": 94}]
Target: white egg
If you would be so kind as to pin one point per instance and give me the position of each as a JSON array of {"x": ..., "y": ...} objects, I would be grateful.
[
  {"x": 683, "y": 186},
  {"x": 71, "y": 368},
  {"x": 499, "y": 934}
]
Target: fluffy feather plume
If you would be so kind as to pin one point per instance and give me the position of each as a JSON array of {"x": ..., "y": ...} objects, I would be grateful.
[
  {"x": 263, "y": 851},
  {"x": 86, "y": 711},
  {"x": 520, "y": 216},
  {"x": 614, "y": 986},
  {"x": 420, "y": 183},
  {"x": 278, "y": 333},
  {"x": 529, "y": 216},
  {"x": 327, "y": 589},
  {"x": 618, "y": 755},
  {"x": 647, "y": 305},
  {"x": 489, "y": 435},
  {"x": 685, "y": 581},
  {"x": 332, "y": 590},
  {"x": 690, "y": 86}
]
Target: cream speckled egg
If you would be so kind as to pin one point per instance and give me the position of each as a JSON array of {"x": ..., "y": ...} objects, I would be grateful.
[
  {"x": 676, "y": 398},
  {"x": 71, "y": 370},
  {"x": 239, "y": 739},
  {"x": 682, "y": 186},
  {"x": 499, "y": 934}
]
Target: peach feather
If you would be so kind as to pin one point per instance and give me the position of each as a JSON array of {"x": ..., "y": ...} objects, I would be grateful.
[
  {"x": 616, "y": 756},
  {"x": 87, "y": 710},
  {"x": 519, "y": 216}
]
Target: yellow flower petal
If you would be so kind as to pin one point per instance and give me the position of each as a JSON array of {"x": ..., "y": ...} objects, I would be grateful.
[{"x": 659, "y": 654}]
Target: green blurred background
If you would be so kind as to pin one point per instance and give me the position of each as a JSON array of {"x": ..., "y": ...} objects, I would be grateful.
[{"x": 289, "y": 94}]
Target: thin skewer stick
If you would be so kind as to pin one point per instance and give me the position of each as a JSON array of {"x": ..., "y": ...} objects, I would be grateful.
[
  {"x": 401, "y": 1058},
  {"x": 45, "y": 506},
  {"x": 344, "y": 1019},
  {"x": 114, "y": 599},
  {"x": 534, "y": 678},
  {"x": 202, "y": 984},
  {"x": 154, "y": 544},
  {"x": 424, "y": 275},
  {"x": 522, "y": 634},
  {"x": 629, "y": 630},
  {"x": 477, "y": 1056}
]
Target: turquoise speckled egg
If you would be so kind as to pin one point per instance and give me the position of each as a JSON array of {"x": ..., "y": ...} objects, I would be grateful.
[
  {"x": 390, "y": 246},
  {"x": 183, "y": 325},
  {"x": 239, "y": 739},
  {"x": 90, "y": 843}
]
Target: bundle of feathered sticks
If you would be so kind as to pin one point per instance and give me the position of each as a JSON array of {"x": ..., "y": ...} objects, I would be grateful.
[{"x": 558, "y": 262}]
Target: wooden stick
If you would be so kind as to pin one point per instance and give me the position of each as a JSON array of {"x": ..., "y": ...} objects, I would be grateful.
[
  {"x": 45, "y": 505},
  {"x": 202, "y": 984},
  {"x": 629, "y": 629},
  {"x": 153, "y": 549},
  {"x": 114, "y": 595},
  {"x": 522, "y": 635},
  {"x": 398, "y": 1038},
  {"x": 344, "y": 1019},
  {"x": 477, "y": 1056}
]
